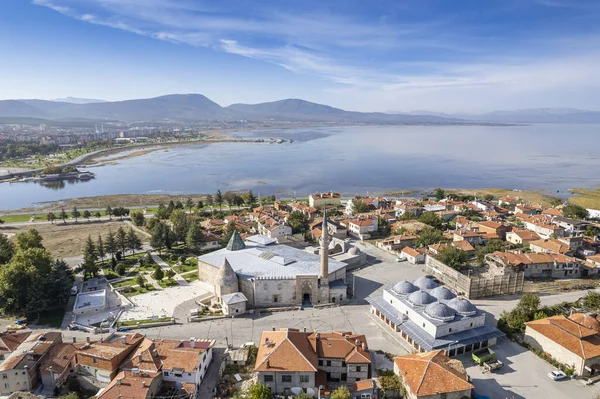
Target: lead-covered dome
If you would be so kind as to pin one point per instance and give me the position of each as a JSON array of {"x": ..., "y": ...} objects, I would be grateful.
[
  {"x": 463, "y": 307},
  {"x": 404, "y": 288},
  {"x": 354, "y": 251},
  {"x": 439, "y": 311},
  {"x": 420, "y": 298},
  {"x": 442, "y": 293},
  {"x": 425, "y": 283}
]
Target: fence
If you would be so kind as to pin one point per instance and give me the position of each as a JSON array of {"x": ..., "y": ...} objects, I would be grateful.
[{"x": 474, "y": 287}]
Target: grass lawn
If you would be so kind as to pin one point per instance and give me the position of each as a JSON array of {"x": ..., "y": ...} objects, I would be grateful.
[
  {"x": 109, "y": 274},
  {"x": 589, "y": 199},
  {"x": 185, "y": 268},
  {"x": 52, "y": 318},
  {"x": 139, "y": 290},
  {"x": 126, "y": 283},
  {"x": 145, "y": 321},
  {"x": 189, "y": 277},
  {"x": 166, "y": 283},
  {"x": 20, "y": 218}
]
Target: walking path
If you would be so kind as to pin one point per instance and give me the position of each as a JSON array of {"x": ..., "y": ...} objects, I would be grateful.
[{"x": 165, "y": 266}]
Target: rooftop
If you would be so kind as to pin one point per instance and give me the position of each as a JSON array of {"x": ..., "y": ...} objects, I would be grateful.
[
  {"x": 91, "y": 299},
  {"x": 574, "y": 337}
]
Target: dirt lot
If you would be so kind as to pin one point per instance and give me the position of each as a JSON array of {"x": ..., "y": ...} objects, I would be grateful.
[
  {"x": 67, "y": 240},
  {"x": 560, "y": 286},
  {"x": 536, "y": 196}
]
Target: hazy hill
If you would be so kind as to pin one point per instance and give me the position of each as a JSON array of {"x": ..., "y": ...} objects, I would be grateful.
[
  {"x": 77, "y": 100},
  {"x": 15, "y": 108},
  {"x": 534, "y": 115}
]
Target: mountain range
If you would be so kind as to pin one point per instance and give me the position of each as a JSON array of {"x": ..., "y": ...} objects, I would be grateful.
[
  {"x": 196, "y": 107},
  {"x": 532, "y": 115},
  {"x": 199, "y": 108}
]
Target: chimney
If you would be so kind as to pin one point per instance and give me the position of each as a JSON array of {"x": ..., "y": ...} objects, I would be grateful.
[
  {"x": 304, "y": 329},
  {"x": 87, "y": 339},
  {"x": 124, "y": 340},
  {"x": 143, "y": 384},
  {"x": 317, "y": 335},
  {"x": 139, "y": 358},
  {"x": 268, "y": 364},
  {"x": 364, "y": 346},
  {"x": 74, "y": 339},
  {"x": 118, "y": 381},
  {"x": 357, "y": 342}
]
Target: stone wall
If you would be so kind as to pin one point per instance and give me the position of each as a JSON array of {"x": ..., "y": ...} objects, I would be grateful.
[
  {"x": 207, "y": 273},
  {"x": 278, "y": 386},
  {"x": 265, "y": 291},
  {"x": 558, "y": 352}
]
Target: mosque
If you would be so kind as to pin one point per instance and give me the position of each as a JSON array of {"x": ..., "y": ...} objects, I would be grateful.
[{"x": 269, "y": 274}]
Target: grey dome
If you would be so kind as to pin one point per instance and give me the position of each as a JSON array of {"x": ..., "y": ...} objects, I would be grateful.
[
  {"x": 420, "y": 298},
  {"x": 463, "y": 307},
  {"x": 404, "y": 288},
  {"x": 439, "y": 311},
  {"x": 425, "y": 283},
  {"x": 442, "y": 293},
  {"x": 354, "y": 251}
]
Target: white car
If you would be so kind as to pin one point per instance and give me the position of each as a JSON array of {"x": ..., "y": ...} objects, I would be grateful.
[
  {"x": 557, "y": 375},
  {"x": 401, "y": 259}
]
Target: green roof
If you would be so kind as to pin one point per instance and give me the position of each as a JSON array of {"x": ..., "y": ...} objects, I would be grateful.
[{"x": 235, "y": 242}]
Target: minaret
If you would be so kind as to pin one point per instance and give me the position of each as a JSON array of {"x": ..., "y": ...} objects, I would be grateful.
[{"x": 324, "y": 248}]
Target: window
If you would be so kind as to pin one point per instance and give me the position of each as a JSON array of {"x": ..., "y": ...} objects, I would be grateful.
[
  {"x": 471, "y": 325},
  {"x": 275, "y": 298},
  {"x": 189, "y": 374},
  {"x": 166, "y": 373},
  {"x": 358, "y": 368},
  {"x": 268, "y": 378},
  {"x": 328, "y": 363},
  {"x": 343, "y": 363},
  {"x": 304, "y": 378},
  {"x": 423, "y": 325},
  {"x": 95, "y": 360},
  {"x": 365, "y": 396},
  {"x": 4, "y": 376},
  {"x": 286, "y": 378},
  {"x": 344, "y": 377},
  {"x": 320, "y": 362}
]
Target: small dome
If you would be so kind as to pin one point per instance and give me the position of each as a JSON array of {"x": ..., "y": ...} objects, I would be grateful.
[
  {"x": 420, "y": 298},
  {"x": 404, "y": 288},
  {"x": 425, "y": 283},
  {"x": 442, "y": 293},
  {"x": 354, "y": 251},
  {"x": 439, "y": 311},
  {"x": 586, "y": 320},
  {"x": 463, "y": 307}
]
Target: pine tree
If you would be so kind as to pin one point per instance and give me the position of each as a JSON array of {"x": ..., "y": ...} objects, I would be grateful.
[
  {"x": 89, "y": 266},
  {"x": 98, "y": 215},
  {"x": 51, "y": 217},
  {"x": 109, "y": 212},
  {"x": 75, "y": 213},
  {"x": 121, "y": 240},
  {"x": 111, "y": 244},
  {"x": 209, "y": 200},
  {"x": 100, "y": 247},
  {"x": 63, "y": 215},
  {"x": 189, "y": 204},
  {"x": 133, "y": 241},
  {"x": 158, "y": 273},
  {"x": 219, "y": 199},
  {"x": 157, "y": 238},
  {"x": 251, "y": 198},
  {"x": 87, "y": 215},
  {"x": 194, "y": 237}
]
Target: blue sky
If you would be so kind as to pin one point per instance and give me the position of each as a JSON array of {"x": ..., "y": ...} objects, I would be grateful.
[{"x": 442, "y": 55}]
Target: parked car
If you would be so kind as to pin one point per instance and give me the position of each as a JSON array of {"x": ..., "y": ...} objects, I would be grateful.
[
  {"x": 401, "y": 259},
  {"x": 557, "y": 375}
]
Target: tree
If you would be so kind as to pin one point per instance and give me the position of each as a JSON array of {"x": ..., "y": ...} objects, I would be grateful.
[
  {"x": 179, "y": 221},
  {"x": 139, "y": 280},
  {"x": 529, "y": 303},
  {"x": 158, "y": 273},
  {"x": 251, "y": 199},
  {"x": 488, "y": 197},
  {"x": 554, "y": 201},
  {"x": 209, "y": 200},
  {"x": 194, "y": 237},
  {"x": 575, "y": 211},
  {"x": 29, "y": 239},
  {"x": 158, "y": 236},
  {"x": 63, "y": 215},
  {"x": 110, "y": 245},
  {"x": 170, "y": 273},
  {"x": 170, "y": 207},
  {"x": 75, "y": 213},
  {"x": 137, "y": 218},
  {"x": 219, "y": 199},
  {"x": 7, "y": 249},
  {"x": 133, "y": 241},
  {"x": 97, "y": 215},
  {"x": 592, "y": 300},
  {"x": 113, "y": 263},
  {"x": 298, "y": 221},
  {"x": 120, "y": 268},
  {"x": 228, "y": 233},
  {"x": 51, "y": 217},
  {"x": 407, "y": 216},
  {"x": 89, "y": 266},
  {"x": 200, "y": 204},
  {"x": 452, "y": 256},
  {"x": 303, "y": 395},
  {"x": 493, "y": 245},
  {"x": 259, "y": 390},
  {"x": 189, "y": 204},
  {"x": 391, "y": 383},
  {"x": 431, "y": 219},
  {"x": 179, "y": 205},
  {"x": 109, "y": 212},
  {"x": 238, "y": 200},
  {"x": 439, "y": 194},
  {"x": 162, "y": 212},
  {"x": 100, "y": 247},
  {"x": 428, "y": 237},
  {"x": 591, "y": 231},
  {"x": 120, "y": 212},
  {"x": 358, "y": 206},
  {"x": 341, "y": 393},
  {"x": 87, "y": 215},
  {"x": 121, "y": 239}
]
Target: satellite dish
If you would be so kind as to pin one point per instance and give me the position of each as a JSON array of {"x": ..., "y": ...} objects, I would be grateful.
[{"x": 296, "y": 390}]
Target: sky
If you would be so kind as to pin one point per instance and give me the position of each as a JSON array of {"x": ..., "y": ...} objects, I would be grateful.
[{"x": 400, "y": 55}]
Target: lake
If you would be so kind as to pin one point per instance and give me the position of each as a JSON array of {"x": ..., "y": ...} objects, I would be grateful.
[{"x": 351, "y": 160}]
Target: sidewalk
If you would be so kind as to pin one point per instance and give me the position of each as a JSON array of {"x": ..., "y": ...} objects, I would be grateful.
[{"x": 165, "y": 266}]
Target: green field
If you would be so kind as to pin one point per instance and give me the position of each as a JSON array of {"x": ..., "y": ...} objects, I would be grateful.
[
  {"x": 126, "y": 283},
  {"x": 185, "y": 268},
  {"x": 145, "y": 321},
  {"x": 166, "y": 283},
  {"x": 189, "y": 277},
  {"x": 139, "y": 290}
]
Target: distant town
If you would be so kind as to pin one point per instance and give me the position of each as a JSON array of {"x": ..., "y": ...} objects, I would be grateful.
[{"x": 234, "y": 295}]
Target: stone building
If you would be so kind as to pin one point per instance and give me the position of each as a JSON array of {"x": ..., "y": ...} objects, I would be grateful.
[
  {"x": 433, "y": 375},
  {"x": 291, "y": 358},
  {"x": 270, "y": 274},
  {"x": 430, "y": 317}
]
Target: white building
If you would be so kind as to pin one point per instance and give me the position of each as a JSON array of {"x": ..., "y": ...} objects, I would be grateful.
[
  {"x": 431, "y": 317},
  {"x": 362, "y": 228},
  {"x": 321, "y": 200},
  {"x": 90, "y": 302},
  {"x": 234, "y": 304}
]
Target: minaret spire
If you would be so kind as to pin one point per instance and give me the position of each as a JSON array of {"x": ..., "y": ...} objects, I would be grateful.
[{"x": 324, "y": 247}]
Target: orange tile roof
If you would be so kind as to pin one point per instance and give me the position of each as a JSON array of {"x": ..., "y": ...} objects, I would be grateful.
[
  {"x": 186, "y": 355},
  {"x": 340, "y": 344},
  {"x": 432, "y": 373},
  {"x": 410, "y": 251},
  {"x": 552, "y": 212},
  {"x": 59, "y": 358},
  {"x": 145, "y": 357},
  {"x": 463, "y": 245},
  {"x": 109, "y": 350},
  {"x": 362, "y": 385},
  {"x": 595, "y": 258},
  {"x": 572, "y": 336},
  {"x": 11, "y": 341},
  {"x": 491, "y": 225},
  {"x": 526, "y": 235},
  {"x": 551, "y": 244},
  {"x": 129, "y": 385}
]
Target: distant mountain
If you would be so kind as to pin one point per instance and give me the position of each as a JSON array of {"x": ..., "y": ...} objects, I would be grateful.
[
  {"x": 198, "y": 107},
  {"x": 77, "y": 100},
  {"x": 534, "y": 115},
  {"x": 295, "y": 109}
]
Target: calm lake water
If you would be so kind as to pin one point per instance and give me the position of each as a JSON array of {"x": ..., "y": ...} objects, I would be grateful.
[{"x": 351, "y": 160}]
